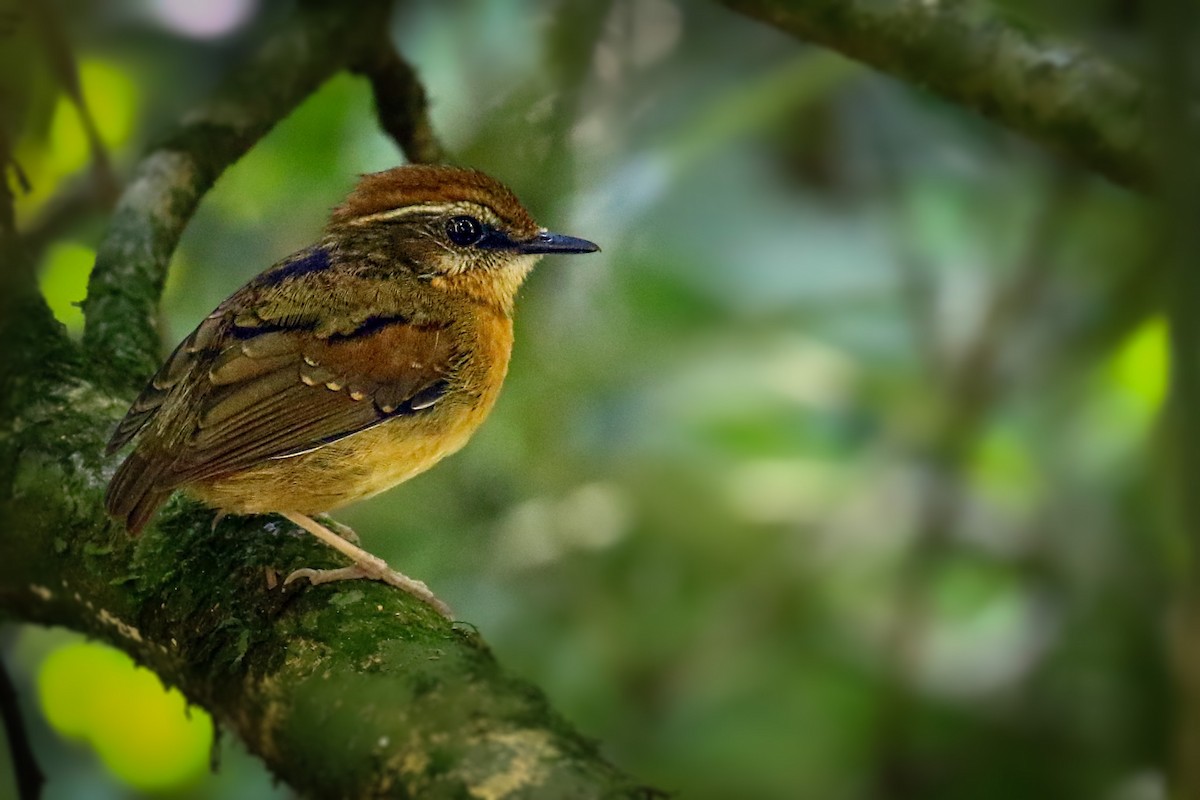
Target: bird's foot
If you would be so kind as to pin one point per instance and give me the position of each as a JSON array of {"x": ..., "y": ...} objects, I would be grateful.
[
  {"x": 375, "y": 570},
  {"x": 342, "y": 530},
  {"x": 365, "y": 566}
]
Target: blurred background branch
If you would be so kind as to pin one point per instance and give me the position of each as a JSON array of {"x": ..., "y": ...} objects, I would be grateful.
[
  {"x": 971, "y": 386},
  {"x": 30, "y": 778},
  {"x": 1080, "y": 105},
  {"x": 1176, "y": 27},
  {"x": 400, "y": 101}
]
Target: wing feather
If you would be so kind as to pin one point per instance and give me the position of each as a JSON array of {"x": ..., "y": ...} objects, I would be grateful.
[
  {"x": 305, "y": 392},
  {"x": 281, "y": 393}
]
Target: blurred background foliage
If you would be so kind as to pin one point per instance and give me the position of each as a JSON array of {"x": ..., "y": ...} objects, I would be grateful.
[{"x": 832, "y": 476}]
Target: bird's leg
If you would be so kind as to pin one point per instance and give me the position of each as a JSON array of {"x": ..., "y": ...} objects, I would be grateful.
[
  {"x": 365, "y": 566},
  {"x": 344, "y": 531}
]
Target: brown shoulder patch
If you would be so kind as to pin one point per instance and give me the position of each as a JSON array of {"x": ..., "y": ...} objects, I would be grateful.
[{"x": 414, "y": 184}]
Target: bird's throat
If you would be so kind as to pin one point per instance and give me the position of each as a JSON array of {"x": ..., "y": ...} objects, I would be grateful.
[{"x": 496, "y": 288}]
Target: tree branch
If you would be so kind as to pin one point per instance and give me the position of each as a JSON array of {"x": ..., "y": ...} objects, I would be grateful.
[
  {"x": 131, "y": 264},
  {"x": 349, "y": 690},
  {"x": 1059, "y": 95},
  {"x": 401, "y": 103}
]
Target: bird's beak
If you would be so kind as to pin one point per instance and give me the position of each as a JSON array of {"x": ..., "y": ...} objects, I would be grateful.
[{"x": 547, "y": 242}]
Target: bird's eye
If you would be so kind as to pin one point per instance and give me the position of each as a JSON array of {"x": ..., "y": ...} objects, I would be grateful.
[{"x": 464, "y": 231}]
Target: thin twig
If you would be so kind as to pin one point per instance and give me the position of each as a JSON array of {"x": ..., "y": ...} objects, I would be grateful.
[
  {"x": 915, "y": 275},
  {"x": 401, "y": 103},
  {"x": 80, "y": 197},
  {"x": 971, "y": 388},
  {"x": 29, "y": 775},
  {"x": 66, "y": 70}
]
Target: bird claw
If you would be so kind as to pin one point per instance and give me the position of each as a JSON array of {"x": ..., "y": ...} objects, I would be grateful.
[
  {"x": 318, "y": 576},
  {"x": 342, "y": 530},
  {"x": 375, "y": 571}
]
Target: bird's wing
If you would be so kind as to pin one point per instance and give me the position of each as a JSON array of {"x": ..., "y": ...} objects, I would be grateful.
[
  {"x": 274, "y": 288},
  {"x": 170, "y": 375},
  {"x": 275, "y": 393}
]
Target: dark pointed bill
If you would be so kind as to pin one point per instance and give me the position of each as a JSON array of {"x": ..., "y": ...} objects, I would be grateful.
[{"x": 546, "y": 242}]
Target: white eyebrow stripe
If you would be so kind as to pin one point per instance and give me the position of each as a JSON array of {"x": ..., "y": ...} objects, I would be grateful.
[
  {"x": 431, "y": 209},
  {"x": 405, "y": 211}
]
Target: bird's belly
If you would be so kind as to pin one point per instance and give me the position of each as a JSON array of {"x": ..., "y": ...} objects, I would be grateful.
[{"x": 349, "y": 469}]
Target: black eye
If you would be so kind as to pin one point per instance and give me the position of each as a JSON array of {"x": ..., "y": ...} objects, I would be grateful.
[{"x": 464, "y": 231}]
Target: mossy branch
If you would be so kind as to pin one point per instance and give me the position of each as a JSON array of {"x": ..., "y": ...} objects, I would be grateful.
[
  {"x": 1060, "y": 95},
  {"x": 346, "y": 690}
]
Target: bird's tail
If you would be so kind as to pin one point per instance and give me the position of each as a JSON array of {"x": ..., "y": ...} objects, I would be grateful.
[{"x": 134, "y": 493}]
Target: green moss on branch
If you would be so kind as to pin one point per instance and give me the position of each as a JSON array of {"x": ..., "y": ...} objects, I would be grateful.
[{"x": 345, "y": 690}]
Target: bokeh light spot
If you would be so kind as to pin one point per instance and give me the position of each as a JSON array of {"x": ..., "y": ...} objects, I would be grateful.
[
  {"x": 64, "y": 698},
  {"x": 208, "y": 20},
  {"x": 143, "y": 733},
  {"x": 1141, "y": 365},
  {"x": 1003, "y": 464},
  {"x": 63, "y": 280},
  {"x": 112, "y": 98}
]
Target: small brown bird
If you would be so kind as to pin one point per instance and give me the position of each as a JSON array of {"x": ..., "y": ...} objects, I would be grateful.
[{"x": 346, "y": 368}]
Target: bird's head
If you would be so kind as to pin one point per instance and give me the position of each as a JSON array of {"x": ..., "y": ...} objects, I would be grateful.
[{"x": 456, "y": 228}]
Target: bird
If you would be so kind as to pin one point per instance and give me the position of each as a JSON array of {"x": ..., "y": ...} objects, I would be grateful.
[{"x": 344, "y": 369}]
